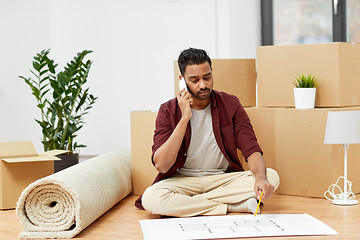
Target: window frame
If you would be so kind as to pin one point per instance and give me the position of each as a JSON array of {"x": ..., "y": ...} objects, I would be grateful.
[{"x": 339, "y": 28}]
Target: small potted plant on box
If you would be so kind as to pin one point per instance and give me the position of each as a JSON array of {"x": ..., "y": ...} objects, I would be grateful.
[
  {"x": 305, "y": 91},
  {"x": 63, "y": 100}
]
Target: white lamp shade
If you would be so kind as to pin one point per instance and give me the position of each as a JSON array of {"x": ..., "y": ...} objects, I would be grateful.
[{"x": 342, "y": 127}]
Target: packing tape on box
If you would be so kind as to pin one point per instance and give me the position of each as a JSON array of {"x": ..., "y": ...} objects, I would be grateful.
[{"x": 63, "y": 204}]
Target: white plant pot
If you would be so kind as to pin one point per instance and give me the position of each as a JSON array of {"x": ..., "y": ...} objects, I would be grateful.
[{"x": 304, "y": 97}]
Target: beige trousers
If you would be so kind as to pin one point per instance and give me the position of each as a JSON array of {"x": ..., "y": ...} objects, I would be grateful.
[{"x": 183, "y": 196}]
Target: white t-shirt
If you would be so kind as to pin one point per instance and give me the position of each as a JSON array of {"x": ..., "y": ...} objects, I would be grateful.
[{"x": 204, "y": 156}]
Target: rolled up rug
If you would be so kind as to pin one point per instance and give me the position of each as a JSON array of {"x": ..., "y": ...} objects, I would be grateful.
[{"x": 63, "y": 204}]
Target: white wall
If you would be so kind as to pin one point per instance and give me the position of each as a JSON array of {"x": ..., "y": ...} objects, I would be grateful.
[
  {"x": 24, "y": 30},
  {"x": 135, "y": 43}
]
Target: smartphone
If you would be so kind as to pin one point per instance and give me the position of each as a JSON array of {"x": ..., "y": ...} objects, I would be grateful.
[{"x": 182, "y": 85}]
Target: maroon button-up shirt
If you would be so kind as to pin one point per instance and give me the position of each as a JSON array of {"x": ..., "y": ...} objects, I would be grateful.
[{"x": 231, "y": 126}]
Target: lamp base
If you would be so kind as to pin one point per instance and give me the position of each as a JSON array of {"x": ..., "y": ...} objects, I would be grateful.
[{"x": 344, "y": 202}]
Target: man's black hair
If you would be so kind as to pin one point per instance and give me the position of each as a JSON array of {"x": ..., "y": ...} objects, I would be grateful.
[{"x": 192, "y": 56}]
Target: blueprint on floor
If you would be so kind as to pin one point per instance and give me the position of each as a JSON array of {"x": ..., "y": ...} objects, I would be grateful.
[{"x": 234, "y": 226}]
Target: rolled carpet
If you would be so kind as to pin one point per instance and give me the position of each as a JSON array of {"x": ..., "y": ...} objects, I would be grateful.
[{"x": 63, "y": 204}]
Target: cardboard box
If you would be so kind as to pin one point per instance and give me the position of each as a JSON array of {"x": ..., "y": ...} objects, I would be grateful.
[
  {"x": 20, "y": 165},
  {"x": 293, "y": 144},
  {"x": 234, "y": 76},
  {"x": 143, "y": 171},
  {"x": 263, "y": 122},
  {"x": 335, "y": 65}
]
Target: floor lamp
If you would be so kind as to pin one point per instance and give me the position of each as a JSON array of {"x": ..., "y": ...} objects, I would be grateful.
[{"x": 343, "y": 127}]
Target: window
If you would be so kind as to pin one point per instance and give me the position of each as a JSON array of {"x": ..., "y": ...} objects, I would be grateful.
[
  {"x": 308, "y": 21},
  {"x": 353, "y": 20}
]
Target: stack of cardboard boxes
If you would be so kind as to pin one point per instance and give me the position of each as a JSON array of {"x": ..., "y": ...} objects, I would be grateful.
[{"x": 292, "y": 139}]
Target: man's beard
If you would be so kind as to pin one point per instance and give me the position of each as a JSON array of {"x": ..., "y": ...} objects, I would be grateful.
[{"x": 199, "y": 94}]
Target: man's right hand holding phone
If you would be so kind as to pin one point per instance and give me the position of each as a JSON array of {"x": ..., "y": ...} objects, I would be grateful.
[{"x": 185, "y": 100}]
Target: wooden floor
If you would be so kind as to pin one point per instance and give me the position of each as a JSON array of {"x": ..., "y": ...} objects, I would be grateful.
[{"x": 121, "y": 222}]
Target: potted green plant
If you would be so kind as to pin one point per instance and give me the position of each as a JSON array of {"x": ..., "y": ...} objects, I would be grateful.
[
  {"x": 63, "y": 101},
  {"x": 305, "y": 91}
]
